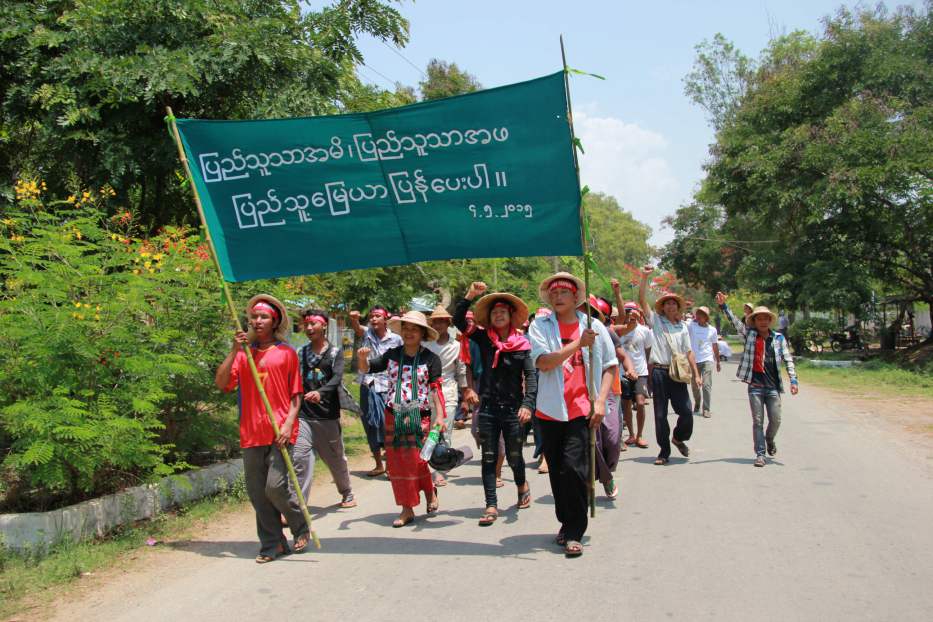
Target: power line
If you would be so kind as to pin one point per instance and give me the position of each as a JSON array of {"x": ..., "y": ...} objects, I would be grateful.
[
  {"x": 405, "y": 58},
  {"x": 391, "y": 82}
]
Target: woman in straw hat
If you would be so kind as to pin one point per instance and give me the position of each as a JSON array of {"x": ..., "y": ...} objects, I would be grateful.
[
  {"x": 414, "y": 374},
  {"x": 670, "y": 337},
  {"x": 263, "y": 465},
  {"x": 759, "y": 368},
  {"x": 507, "y": 389}
]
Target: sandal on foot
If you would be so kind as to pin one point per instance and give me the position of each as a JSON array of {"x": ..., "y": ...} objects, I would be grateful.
[
  {"x": 573, "y": 548},
  {"x": 433, "y": 506},
  {"x": 561, "y": 539},
  {"x": 612, "y": 491},
  {"x": 376, "y": 472},
  {"x": 348, "y": 501},
  {"x": 489, "y": 517},
  {"x": 524, "y": 498},
  {"x": 642, "y": 443},
  {"x": 401, "y": 522},
  {"x": 301, "y": 542},
  {"x": 264, "y": 559},
  {"x": 631, "y": 441},
  {"x": 661, "y": 461},
  {"x": 681, "y": 447}
]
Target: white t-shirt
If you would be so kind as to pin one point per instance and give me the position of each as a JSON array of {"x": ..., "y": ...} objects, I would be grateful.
[
  {"x": 662, "y": 331},
  {"x": 702, "y": 339},
  {"x": 636, "y": 345}
]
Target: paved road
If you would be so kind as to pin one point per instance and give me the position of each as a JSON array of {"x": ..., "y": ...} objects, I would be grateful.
[{"x": 840, "y": 527}]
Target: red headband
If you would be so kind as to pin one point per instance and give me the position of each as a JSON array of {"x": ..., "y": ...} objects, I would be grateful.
[
  {"x": 315, "y": 318},
  {"x": 503, "y": 304},
  {"x": 265, "y": 306},
  {"x": 562, "y": 284},
  {"x": 378, "y": 313}
]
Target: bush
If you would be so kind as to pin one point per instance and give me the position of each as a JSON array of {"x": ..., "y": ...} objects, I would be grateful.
[{"x": 109, "y": 342}]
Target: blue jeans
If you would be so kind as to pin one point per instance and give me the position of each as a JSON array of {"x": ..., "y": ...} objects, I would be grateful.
[{"x": 760, "y": 399}]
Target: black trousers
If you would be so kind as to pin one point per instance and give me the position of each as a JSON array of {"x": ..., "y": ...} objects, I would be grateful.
[
  {"x": 565, "y": 446},
  {"x": 493, "y": 421},
  {"x": 666, "y": 390}
]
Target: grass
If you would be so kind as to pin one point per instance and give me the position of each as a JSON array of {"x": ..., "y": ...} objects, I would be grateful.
[
  {"x": 871, "y": 377},
  {"x": 24, "y": 577}
]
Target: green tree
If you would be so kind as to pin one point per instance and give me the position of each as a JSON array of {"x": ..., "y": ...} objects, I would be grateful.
[
  {"x": 445, "y": 80},
  {"x": 829, "y": 152},
  {"x": 84, "y": 85},
  {"x": 719, "y": 78}
]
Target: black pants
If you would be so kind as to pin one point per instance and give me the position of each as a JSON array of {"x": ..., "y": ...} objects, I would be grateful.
[
  {"x": 666, "y": 390},
  {"x": 565, "y": 446},
  {"x": 493, "y": 421}
]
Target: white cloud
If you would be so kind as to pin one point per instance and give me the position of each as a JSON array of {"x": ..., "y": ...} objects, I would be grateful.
[{"x": 630, "y": 163}]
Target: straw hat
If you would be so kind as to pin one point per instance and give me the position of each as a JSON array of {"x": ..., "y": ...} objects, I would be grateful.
[
  {"x": 440, "y": 313},
  {"x": 484, "y": 307},
  {"x": 659, "y": 303},
  {"x": 546, "y": 283},
  {"x": 704, "y": 311},
  {"x": 596, "y": 305},
  {"x": 413, "y": 317},
  {"x": 285, "y": 325},
  {"x": 749, "y": 305},
  {"x": 750, "y": 320}
]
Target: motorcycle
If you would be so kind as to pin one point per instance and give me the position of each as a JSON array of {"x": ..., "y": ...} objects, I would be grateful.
[{"x": 848, "y": 340}]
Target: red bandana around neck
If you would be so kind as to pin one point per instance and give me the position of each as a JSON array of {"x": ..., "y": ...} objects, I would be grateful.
[{"x": 515, "y": 342}]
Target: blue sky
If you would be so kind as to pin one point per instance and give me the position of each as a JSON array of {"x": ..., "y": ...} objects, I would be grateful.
[{"x": 645, "y": 141}]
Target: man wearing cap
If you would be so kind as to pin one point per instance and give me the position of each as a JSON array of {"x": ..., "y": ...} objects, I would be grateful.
[
  {"x": 453, "y": 370},
  {"x": 703, "y": 342},
  {"x": 263, "y": 465},
  {"x": 759, "y": 369},
  {"x": 669, "y": 340},
  {"x": 561, "y": 347},
  {"x": 636, "y": 340},
  {"x": 319, "y": 431},
  {"x": 379, "y": 339}
]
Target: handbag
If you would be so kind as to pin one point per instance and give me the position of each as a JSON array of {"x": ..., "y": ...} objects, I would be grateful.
[
  {"x": 679, "y": 370},
  {"x": 407, "y": 415}
]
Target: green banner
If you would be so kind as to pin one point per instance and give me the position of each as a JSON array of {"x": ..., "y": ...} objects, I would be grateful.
[{"x": 488, "y": 174}]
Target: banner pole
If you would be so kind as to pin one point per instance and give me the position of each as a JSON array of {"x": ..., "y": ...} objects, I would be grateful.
[
  {"x": 586, "y": 285},
  {"x": 236, "y": 320}
]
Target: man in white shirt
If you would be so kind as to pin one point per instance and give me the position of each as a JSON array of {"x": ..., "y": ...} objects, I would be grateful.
[
  {"x": 453, "y": 370},
  {"x": 703, "y": 342}
]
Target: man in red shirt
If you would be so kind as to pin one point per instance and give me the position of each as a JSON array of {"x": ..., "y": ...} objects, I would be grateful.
[
  {"x": 263, "y": 465},
  {"x": 560, "y": 346}
]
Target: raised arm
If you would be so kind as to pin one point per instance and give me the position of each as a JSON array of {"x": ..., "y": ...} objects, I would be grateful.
[
  {"x": 740, "y": 326},
  {"x": 643, "y": 292},
  {"x": 355, "y": 323}
]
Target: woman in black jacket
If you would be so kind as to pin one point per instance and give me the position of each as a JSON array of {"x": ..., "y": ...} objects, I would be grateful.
[{"x": 507, "y": 388}]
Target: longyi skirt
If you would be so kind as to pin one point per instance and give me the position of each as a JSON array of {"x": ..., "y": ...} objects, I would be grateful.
[{"x": 408, "y": 473}]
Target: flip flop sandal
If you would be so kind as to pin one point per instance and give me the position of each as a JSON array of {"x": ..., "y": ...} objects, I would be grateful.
[
  {"x": 302, "y": 543},
  {"x": 264, "y": 559},
  {"x": 661, "y": 461},
  {"x": 630, "y": 441},
  {"x": 375, "y": 473},
  {"x": 433, "y": 507},
  {"x": 499, "y": 483},
  {"x": 682, "y": 448},
  {"x": 524, "y": 499},
  {"x": 573, "y": 549},
  {"x": 488, "y": 519},
  {"x": 561, "y": 539},
  {"x": 643, "y": 444},
  {"x": 440, "y": 482},
  {"x": 401, "y": 522}
]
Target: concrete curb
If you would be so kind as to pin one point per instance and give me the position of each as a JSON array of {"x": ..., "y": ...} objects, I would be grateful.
[{"x": 98, "y": 517}]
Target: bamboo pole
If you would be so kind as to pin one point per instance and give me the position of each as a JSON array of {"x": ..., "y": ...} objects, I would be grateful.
[
  {"x": 591, "y": 384},
  {"x": 236, "y": 321}
]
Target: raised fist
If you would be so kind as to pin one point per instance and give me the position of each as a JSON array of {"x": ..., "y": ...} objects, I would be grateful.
[
  {"x": 616, "y": 287},
  {"x": 354, "y": 316},
  {"x": 647, "y": 269},
  {"x": 720, "y": 298},
  {"x": 477, "y": 288}
]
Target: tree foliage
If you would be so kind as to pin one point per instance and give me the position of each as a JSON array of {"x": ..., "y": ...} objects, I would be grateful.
[
  {"x": 84, "y": 85},
  {"x": 828, "y": 154},
  {"x": 445, "y": 79}
]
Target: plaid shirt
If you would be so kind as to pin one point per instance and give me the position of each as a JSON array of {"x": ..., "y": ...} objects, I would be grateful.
[{"x": 776, "y": 349}]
